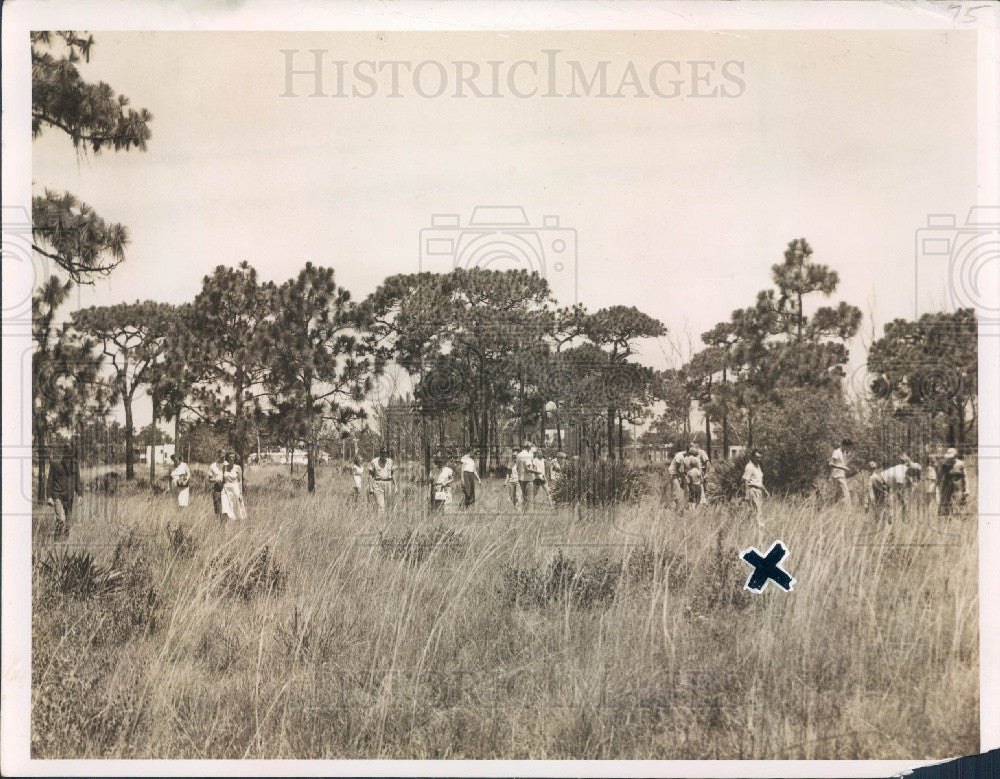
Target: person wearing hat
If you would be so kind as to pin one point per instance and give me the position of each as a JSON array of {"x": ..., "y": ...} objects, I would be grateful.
[
  {"x": 383, "y": 479},
  {"x": 952, "y": 480}
]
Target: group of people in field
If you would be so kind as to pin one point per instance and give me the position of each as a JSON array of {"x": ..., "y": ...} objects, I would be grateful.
[
  {"x": 938, "y": 486},
  {"x": 688, "y": 471},
  {"x": 225, "y": 474},
  {"x": 530, "y": 472},
  {"x": 64, "y": 484}
]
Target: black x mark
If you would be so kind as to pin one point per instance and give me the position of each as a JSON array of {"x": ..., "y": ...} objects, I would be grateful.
[{"x": 767, "y": 568}]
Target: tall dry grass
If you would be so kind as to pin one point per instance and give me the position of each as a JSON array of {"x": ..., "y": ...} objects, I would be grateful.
[{"x": 310, "y": 632}]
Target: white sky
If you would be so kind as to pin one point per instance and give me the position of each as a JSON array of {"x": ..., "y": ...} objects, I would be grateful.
[{"x": 680, "y": 205}]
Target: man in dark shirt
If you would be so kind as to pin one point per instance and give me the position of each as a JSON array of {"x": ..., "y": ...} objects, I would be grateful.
[{"x": 63, "y": 485}]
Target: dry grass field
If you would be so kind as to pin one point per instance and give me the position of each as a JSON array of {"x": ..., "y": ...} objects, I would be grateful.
[{"x": 319, "y": 630}]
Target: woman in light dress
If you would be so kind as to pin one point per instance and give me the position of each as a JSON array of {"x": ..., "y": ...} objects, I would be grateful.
[
  {"x": 181, "y": 477},
  {"x": 358, "y": 472},
  {"x": 442, "y": 477},
  {"x": 233, "y": 507}
]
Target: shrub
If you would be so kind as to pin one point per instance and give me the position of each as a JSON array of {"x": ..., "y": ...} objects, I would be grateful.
[
  {"x": 726, "y": 482},
  {"x": 795, "y": 438},
  {"x": 563, "y": 580},
  {"x": 106, "y": 482},
  {"x": 181, "y": 541},
  {"x": 600, "y": 483},
  {"x": 246, "y": 578},
  {"x": 85, "y": 615},
  {"x": 416, "y": 546},
  {"x": 78, "y": 575}
]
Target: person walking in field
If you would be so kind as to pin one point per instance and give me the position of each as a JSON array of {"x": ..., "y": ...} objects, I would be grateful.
[
  {"x": 753, "y": 484},
  {"x": 357, "y": 473},
  {"x": 869, "y": 494},
  {"x": 383, "y": 480},
  {"x": 180, "y": 477},
  {"x": 954, "y": 489},
  {"x": 512, "y": 484},
  {"x": 524, "y": 465},
  {"x": 233, "y": 507},
  {"x": 929, "y": 489},
  {"x": 442, "y": 477},
  {"x": 556, "y": 469},
  {"x": 62, "y": 486},
  {"x": 216, "y": 474},
  {"x": 695, "y": 476},
  {"x": 470, "y": 478},
  {"x": 538, "y": 470},
  {"x": 890, "y": 488},
  {"x": 678, "y": 479},
  {"x": 838, "y": 470}
]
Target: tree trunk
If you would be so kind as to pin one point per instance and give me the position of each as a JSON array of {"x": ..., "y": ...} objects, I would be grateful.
[
  {"x": 425, "y": 443},
  {"x": 484, "y": 430},
  {"x": 311, "y": 466},
  {"x": 152, "y": 438},
  {"x": 177, "y": 432},
  {"x": 621, "y": 438},
  {"x": 129, "y": 432},
  {"x": 749, "y": 430},
  {"x": 559, "y": 443},
  {"x": 725, "y": 416},
  {"x": 520, "y": 406},
  {"x": 611, "y": 434},
  {"x": 708, "y": 437},
  {"x": 41, "y": 444}
]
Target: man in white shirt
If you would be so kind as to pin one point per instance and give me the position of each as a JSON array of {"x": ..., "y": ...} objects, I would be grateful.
[
  {"x": 216, "y": 473},
  {"x": 512, "y": 483},
  {"x": 753, "y": 484},
  {"x": 890, "y": 486},
  {"x": 180, "y": 476},
  {"x": 702, "y": 455},
  {"x": 382, "y": 478},
  {"x": 838, "y": 470},
  {"x": 678, "y": 479},
  {"x": 524, "y": 465},
  {"x": 470, "y": 478}
]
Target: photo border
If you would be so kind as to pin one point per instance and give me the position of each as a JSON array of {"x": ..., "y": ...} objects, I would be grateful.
[{"x": 408, "y": 15}]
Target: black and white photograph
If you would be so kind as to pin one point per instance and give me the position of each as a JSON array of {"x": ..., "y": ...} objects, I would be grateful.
[{"x": 381, "y": 387}]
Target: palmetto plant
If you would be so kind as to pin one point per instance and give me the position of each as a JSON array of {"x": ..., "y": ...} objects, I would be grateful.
[{"x": 77, "y": 574}]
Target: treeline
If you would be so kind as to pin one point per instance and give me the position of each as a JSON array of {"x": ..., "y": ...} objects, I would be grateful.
[
  {"x": 773, "y": 377},
  {"x": 492, "y": 357},
  {"x": 294, "y": 363}
]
